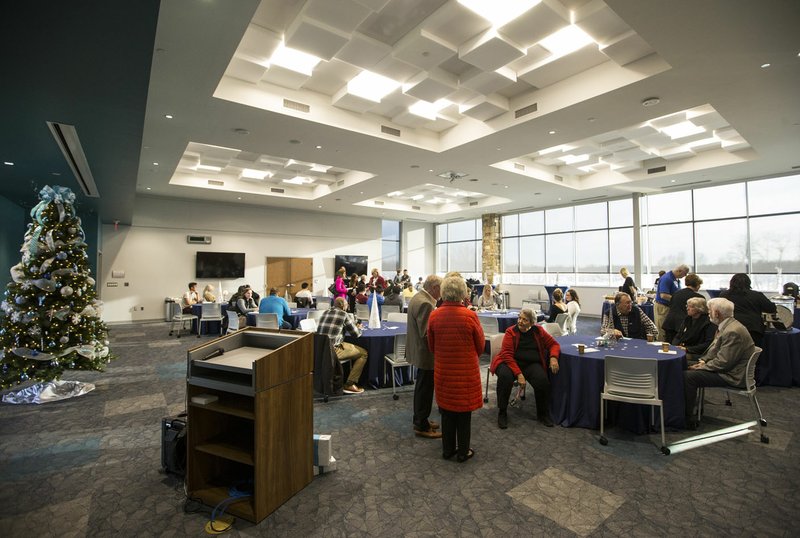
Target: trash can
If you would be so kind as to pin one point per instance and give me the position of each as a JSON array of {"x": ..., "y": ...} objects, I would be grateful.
[{"x": 168, "y": 308}]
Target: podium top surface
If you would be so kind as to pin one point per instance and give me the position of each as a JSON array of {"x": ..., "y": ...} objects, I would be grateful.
[{"x": 238, "y": 360}]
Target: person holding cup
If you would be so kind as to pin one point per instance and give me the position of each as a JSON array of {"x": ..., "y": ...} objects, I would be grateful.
[{"x": 525, "y": 356}]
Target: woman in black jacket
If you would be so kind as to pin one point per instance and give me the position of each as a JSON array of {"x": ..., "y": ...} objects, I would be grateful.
[
  {"x": 748, "y": 305},
  {"x": 696, "y": 332}
]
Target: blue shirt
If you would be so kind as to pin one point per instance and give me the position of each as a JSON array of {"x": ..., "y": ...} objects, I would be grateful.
[
  {"x": 380, "y": 302},
  {"x": 275, "y": 305},
  {"x": 667, "y": 284}
]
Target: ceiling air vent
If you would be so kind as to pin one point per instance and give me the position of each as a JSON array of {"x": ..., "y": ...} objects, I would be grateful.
[
  {"x": 679, "y": 185},
  {"x": 657, "y": 169},
  {"x": 472, "y": 204},
  {"x": 216, "y": 183},
  {"x": 340, "y": 183},
  {"x": 602, "y": 196},
  {"x": 519, "y": 166},
  {"x": 276, "y": 190},
  {"x": 558, "y": 178},
  {"x": 67, "y": 140},
  {"x": 524, "y": 111},
  {"x": 294, "y": 105},
  {"x": 416, "y": 207},
  {"x": 378, "y": 202},
  {"x": 390, "y": 130}
]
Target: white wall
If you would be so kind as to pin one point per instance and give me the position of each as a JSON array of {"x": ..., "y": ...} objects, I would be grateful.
[
  {"x": 418, "y": 248},
  {"x": 158, "y": 262}
]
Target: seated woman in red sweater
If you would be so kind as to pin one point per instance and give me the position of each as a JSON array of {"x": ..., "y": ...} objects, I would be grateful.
[{"x": 525, "y": 355}]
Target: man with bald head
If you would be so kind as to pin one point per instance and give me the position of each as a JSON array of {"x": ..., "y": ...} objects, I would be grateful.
[{"x": 418, "y": 354}]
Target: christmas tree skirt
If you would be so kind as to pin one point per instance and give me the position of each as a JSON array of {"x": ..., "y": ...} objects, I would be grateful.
[{"x": 51, "y": 391}]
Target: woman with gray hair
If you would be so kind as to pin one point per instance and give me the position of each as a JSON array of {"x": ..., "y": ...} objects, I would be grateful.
[
  {"x": 696, "y": 331},
  {"x": 455, "y": 338},
  {"x": 526, "y": 354}
]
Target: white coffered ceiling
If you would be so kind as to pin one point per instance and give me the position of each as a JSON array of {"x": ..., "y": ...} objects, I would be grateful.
[{"x": 275, "y": 103}]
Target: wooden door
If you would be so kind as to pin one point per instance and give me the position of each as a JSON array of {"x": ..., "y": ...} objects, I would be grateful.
[{"x": 288, "y": 273}]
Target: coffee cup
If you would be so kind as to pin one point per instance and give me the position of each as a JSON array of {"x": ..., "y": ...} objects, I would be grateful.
[
  {"x": 665, "y": 347},
  {"x": 650, "y": 338},
  {"x": 581, "y": 349}
]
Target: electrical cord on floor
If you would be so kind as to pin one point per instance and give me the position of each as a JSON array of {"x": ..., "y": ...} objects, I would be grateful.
[{"x": 237, "y": 492}]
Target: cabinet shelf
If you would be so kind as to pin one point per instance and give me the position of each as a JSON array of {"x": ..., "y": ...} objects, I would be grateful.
[
  {"x": 227, "y": 408},
  {"x": 227, "y": 449}
]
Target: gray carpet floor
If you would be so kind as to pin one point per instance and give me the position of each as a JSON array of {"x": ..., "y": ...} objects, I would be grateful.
[{"x": 90, "y": 466}]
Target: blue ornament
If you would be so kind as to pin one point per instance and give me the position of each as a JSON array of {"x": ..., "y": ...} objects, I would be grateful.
[
  {"x": 23, "y": 377},
  {"x": 61, "y": 255},
  {"x": 20, "y": 300}
]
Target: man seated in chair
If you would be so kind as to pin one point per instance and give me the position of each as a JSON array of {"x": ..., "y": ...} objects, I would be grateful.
[
  {"x": 304, "y": 296},
  {"x": 724, "y": 363},
  {"x": 333, "y": 323},
  {"x": 189, "y": 298},
  {"x": 626, "y": 319},
  {"x": 272, "y": 304}
]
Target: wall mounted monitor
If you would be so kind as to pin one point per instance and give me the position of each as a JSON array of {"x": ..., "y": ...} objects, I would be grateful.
[
  {"x": 353, "y": 264},
  {"x": 219, "y": 265}
]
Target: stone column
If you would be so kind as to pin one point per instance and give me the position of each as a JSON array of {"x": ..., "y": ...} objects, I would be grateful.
[{"x": 491, "y": 246}]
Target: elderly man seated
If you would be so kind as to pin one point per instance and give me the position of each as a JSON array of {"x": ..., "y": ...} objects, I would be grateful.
[
  {"x": 725, "y": 361},
  {"x": 626, "y": 319}
]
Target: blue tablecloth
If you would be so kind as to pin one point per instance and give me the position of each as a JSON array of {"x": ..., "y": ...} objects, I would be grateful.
[
  {"x": 210, "y": 327},
  {"x": 779, "y": 363},
  {"x": 294, "y": 319},
  {"x": 577, "y": 386},
  {"x": 504, "y": 319},
  {"x": 647, "y": 308},
  {"x": 551, "y": 289},
  {"x": 796, "y": 323},
  {"x": 379, "y": 342}
]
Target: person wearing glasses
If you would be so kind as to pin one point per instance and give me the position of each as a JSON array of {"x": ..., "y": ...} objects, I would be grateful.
[{"x": 525, "y": 356}]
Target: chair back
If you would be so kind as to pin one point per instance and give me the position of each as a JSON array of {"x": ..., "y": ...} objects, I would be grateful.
[
  {"x": 387, "y": 309},
  {"x": 267, "y": 320},
  {"x": 362, "y": 311},
  {"x": 210, "y": 310},
  {"x": 631, "y": 377},
  {"x": 750, "y": 378},
  {"x": 397, "y": 316},
  {"x": 400, "y": 347},
  {"x": 489, "y": 324},
  {"x": 308, "y": 325},
  {"x": 322, "y": 302},
  {"x": 233, "y": 321},
  {"x": 561, "y": 321},
  {"x": 176, "y": 309},
  {"x": 315, "y": 315},
  {"x": 553, "y": 329},
  {"x": 302, "y": 302}
]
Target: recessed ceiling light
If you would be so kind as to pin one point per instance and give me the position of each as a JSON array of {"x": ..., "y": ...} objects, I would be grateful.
[
  {"x": 318, "y": 147},
  {"x": 241, "y": 131},
  {"x": 8, "y": 163},
  {"x": 148, "y": 188},
  {"x": 672, "y": 181},
  {"x": 319, "y": 206},
  {"x": 651, "y": 101},
  {"x": 414, "y": 166},
  {"x": 764, "y": 66},
  {"x": 551, "y": 132},
  {"x": 238, "y": 197},
  {"x": 430, "y": 169},
  {"x": 590, "y": 120},
  {"x": 55, "y": 173},
  {"x": 168, "y": 116},
  {"x": 505, "y": 186},
  {"x": 293, "y": 141},
  {"x": 155, "y": 164}
]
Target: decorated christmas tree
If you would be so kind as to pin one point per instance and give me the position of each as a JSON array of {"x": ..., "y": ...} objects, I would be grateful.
[{"x": 51, "y": 319}]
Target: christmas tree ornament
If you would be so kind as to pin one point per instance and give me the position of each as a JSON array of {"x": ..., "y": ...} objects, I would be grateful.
[{"x": 66, "y": 291}]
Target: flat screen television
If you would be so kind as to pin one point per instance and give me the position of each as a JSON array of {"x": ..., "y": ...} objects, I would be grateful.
[
  {"x": 219, "y": 265},
  {"x": 353, "y": 264}
]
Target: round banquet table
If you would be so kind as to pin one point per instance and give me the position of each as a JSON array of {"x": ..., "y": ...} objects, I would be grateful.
[
  {"x": 647, "y": 308},
  {"x": 379, "y": 342},
  {"x": 796, "y": 323},
  {"x": 779, "y": 363},
  {"x": 577, "y": 386}
]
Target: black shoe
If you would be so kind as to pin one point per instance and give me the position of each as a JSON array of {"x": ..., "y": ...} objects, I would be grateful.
[
  {"x": 545, "y": 419},
  {"x": 502, "y": 420},
  {"x": 692, "y": 423}
]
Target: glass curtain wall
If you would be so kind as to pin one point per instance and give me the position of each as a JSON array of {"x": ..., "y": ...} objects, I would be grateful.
[
  {"x": 458, "y": 248},
  {"x": 390, "y": 247}
]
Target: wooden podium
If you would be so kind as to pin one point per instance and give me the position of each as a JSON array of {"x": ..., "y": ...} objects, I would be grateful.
[{"x": 258, "y": 435}]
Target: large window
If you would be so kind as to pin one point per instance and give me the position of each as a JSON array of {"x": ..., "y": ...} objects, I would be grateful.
[
  {"x": 390, "y": 246},
  {"x": 580, "y": 245},
  {"x": 458, "y": 248},
  {"x": 749, "y": 227}
]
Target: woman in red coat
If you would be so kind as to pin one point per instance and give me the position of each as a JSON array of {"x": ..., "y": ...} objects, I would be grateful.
[
  {"x": 456, "y": 339},
  {"x": 526, "y": 353}
]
